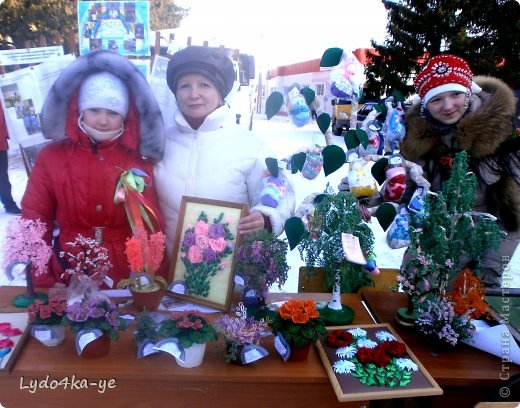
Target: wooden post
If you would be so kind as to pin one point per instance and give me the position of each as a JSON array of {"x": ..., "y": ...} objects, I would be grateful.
[
  {"x": 205, "y": 43},
  {"x": 188, "y": 41}
]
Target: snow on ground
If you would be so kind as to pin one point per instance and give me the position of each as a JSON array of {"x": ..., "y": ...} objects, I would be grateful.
[{"x": 285, "y": 139}]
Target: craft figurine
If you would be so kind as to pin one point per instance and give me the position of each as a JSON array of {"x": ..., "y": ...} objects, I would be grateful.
[{"x": 273, "y": 190}]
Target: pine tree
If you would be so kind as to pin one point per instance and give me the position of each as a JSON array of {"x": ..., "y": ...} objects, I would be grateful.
[{"x": 484, "y": 32}]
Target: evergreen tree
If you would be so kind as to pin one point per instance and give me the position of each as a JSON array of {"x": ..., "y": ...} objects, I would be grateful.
[
  {"x": 484, "y": 32},
  {"x": 449, "y": 236}
]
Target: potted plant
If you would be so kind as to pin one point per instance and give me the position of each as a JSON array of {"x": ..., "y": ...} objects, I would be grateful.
[
  {"x": 144, "y": 250},
  {"x": 25, "y": 244},
  {"x": 241, "y": 334},
  {"x": 144, "y": 253},
  {"x": 299, "y": 324},
  {"x": 47, "y": 321},
  {"x": 88, "y": 267},
  {"x": 447, "y": 239},
  {"x": 193, "y": 331},
  {"x": 321, "y": 245},
  {"x": 96, "y": 322},
  {"x": 261, "y": 261}
]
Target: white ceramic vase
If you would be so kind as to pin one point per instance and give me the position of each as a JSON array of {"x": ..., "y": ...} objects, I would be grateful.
[
  {"x": 193, "y": 356},
  {"x": 49, "y": 336}
]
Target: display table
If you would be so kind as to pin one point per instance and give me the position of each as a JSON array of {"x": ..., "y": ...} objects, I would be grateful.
[
  {"x": 466, "y": 373},
  {"x": 156, "y": 380}
]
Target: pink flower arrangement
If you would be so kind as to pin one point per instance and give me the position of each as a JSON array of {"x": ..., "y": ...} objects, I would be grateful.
[
  {"x": 203, "y": 248},
  {"x": 51, "y": 313},
  {"x": 25, "y": 243}
]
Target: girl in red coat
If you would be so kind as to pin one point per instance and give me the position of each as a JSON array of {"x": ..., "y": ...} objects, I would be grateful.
[{"x": 105, "y": 121}]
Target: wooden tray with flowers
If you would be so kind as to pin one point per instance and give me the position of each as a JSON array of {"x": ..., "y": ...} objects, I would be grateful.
[
  {"x": 369, "y": 362},
  {"x": 13, "y": 334}
]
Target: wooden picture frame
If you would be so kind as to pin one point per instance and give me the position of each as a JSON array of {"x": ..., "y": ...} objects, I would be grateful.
[
  {"x": 17, "y": 321},
  {"x": 201, "y": 267},
  {"x": 349, "y": 388}
]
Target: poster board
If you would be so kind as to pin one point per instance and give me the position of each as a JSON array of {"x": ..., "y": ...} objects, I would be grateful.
[
  {"x": 349, "y": 388},
  {"x": 22, "y": 94},
  {"x": 119, "y": 26}
]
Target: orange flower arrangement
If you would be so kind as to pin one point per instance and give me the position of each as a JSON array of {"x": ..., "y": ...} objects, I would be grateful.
[
  {"x": 144, "y": 253},
  {"x": 299, "y": 322},
  {"x": 468, "y": 295},
  {"x": 141, "y": 243}
]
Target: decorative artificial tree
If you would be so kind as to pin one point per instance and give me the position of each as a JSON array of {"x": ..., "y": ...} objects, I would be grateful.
[
  {"x": 320, "y": 246},
  {"x": 447, "y": 238}
]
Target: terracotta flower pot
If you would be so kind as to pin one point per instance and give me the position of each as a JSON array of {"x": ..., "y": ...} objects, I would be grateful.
[
  {"x": 299, "y": 354},
  {"x": 147, "y": 300},
  {"x": 193, "y": 356},
  {"x": 97, "y": 348}
]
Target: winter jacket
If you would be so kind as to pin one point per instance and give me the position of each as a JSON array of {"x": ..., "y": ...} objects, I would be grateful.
[
  {"x": 486, "y": 133},
  {"x": 221, "y": 161},
  {"x": 72, "y": 184},
  {"x": 4, "y": 135}
]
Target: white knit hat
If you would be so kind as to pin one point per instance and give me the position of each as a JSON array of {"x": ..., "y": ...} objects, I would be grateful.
[{"x": 103, "y": 90}]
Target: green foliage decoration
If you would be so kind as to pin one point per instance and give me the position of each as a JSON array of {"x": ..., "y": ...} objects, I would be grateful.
[{"x": 321, "y": 245}]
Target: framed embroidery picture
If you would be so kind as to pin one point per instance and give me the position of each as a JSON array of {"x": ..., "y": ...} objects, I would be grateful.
[
  {"x": 201, "y": 268},
  {"x": 370, "y": 362}
]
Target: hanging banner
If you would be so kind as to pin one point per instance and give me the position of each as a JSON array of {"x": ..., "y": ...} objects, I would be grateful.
[
  {"x": 119, "y": 26},
  {"x": 29, "y": 55}
]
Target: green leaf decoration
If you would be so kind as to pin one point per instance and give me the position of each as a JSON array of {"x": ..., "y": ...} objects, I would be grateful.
[
  {"x": 331, "y": 57},
  {"x": 272, "y": 166},
  {"x": 323, "y": 122},
  {"x": 273, "y": 104},
  {"x": 378, "y": 170},
  {"x": 351, "y": 139},
  {"x": 319, "y": 198},
  {"x": 295, "y": 230},
  {"x": 308, "y": 94},
  {"x": 362, "y": 137},
  {"x": 297, "y": 162},
  {"x": 385, "y": 214},
  {"x": 398, "y": 96},
  {"x": 333, "y": 158}
]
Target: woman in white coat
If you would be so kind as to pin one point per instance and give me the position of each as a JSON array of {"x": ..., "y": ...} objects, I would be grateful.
[{"x": 207, "y": 155}]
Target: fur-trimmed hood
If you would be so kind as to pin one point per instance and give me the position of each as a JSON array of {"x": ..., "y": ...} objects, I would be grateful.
[
  {"x": 484, "y": 133},
  {"x": 60, "y": 111},
  {"x": 480, "y": 132}
]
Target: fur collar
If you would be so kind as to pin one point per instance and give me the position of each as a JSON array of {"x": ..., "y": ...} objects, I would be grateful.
[
  {"x": 480, "y": 132},
  {"x": 60, "y": 111}
]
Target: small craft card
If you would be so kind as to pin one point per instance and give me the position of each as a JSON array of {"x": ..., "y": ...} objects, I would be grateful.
[
  {"x": 13, "y": 333},
  {"x": 355, "y": 374},
  {"x": 352, "y": 249}
]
